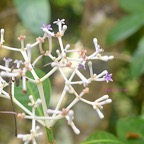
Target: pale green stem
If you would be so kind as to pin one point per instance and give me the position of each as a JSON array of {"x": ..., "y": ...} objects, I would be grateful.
[
  {"x": 61, "y": 45},
  {"x": 80, "y": 75},
  {"x": 63, "y": 75},
  {"x": 75, "y": 100},
  {"x": 26, "y": 59},
  {"x": 41, "y": 93},
  {"x": 58, "y": 105},
  {"x": 10, "y": 48},
  {"x": 22, "y": 44},
  {"x": 50, "y": 44},
  {"x": 48, "y": 74},
  {"x": 50, "y": 136},
  {"x": 86, "y": 101},
  {"x": 34, "y": 44},
  {"x": 4, "y": 96},
  {"x": 34, "y": 141},
  {"x": 39, "y": 86},
  {"x": 36, "y": 60},
  {"x": 73, "y": 103},
  {"x": 33, "y": 120},
  {"x": 44, "y": 117},
  {"x": 5, "y": 68},
  {"x": 8, "y": 69}
]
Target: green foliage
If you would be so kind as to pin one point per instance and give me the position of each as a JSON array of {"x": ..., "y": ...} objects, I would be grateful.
[
  {"x": 125, "y": 28},
  {"x": 131, "y": 130},
  {"x": 132, "y": 7},
  {"x": 137, "y": 65},
  {"x": 62, "y": 2},
  {"x": 130, "y": 24},
  {"x": 32, "y": 90},
  {"x": 33, "y": 13},
  {"x": 102, "y": 138},
  {"x": 75, "y": 5}
]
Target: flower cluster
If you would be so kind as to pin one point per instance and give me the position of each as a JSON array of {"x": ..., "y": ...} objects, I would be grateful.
[
  {"x": 63, "y": 59},
  {"x": 34, "y": 130}
]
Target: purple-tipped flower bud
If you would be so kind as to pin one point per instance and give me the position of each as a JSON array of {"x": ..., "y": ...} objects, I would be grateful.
[{"x": 7, "y": 61}]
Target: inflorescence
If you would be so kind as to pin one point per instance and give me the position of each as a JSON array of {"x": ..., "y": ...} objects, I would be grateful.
[{"x": 61, "y": 60}]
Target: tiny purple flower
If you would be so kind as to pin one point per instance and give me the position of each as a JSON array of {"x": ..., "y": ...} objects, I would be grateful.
[
  {"x": 107, "y": 77},
  {"x": 7, "y": 59},
  {"x": 82, "y": 66},
  {"x": 46, "y": 26}
]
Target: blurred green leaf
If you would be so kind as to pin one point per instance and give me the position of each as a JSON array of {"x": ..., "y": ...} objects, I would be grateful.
[
  {"x": 137, "y": 64},
  {"x": 33, "y": 13},
  {"x": 62, "y": 2},
  {"x": 32, "y": 90},
  {"x": 102, "y": 138},
  {"x": 125, "y": 28},
  {"x": 132, "y": 6},
  {"x": 131, "y": 130}
]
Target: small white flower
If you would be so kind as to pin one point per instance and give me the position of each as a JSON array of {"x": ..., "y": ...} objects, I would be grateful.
[
  {"x": 60, "y": 23},
  {"x": 98, "y": 104},
  {"x": 34, "y": 103},
  {"x": 25, "y": 137},
  {"x": 37, "y": 103},
  {"x": 97, "y": 47},
  {"x": 30, "y": 137},
  {"x": 70, "y": 117},
  {"x": 18, "y": 63}
]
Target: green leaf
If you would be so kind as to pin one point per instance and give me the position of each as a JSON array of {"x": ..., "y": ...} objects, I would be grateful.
[
  {"x": 132, "y": 6},
  {"x": 137, "y": 64},
  {"x": 32, "y": 90},
  {"x": 131, "y": 130},
  {"x": 102, "y": 138},
  {"x": 125, "y": 28},
  {"x": 33, "y": 13}
]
